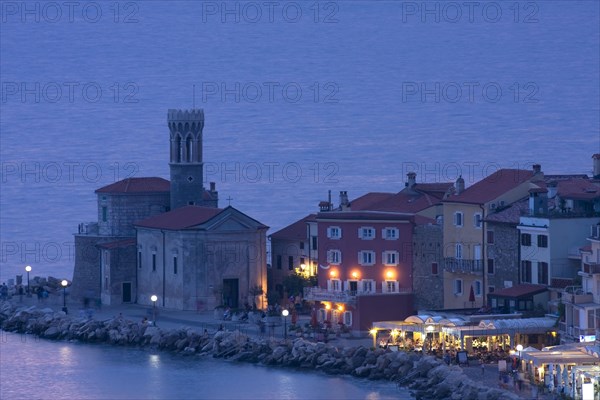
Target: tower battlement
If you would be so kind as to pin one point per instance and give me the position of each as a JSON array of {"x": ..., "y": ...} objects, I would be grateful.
[{"x": 190, "y": 116}]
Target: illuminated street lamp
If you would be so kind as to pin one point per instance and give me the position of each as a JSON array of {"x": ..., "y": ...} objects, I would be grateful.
[
  {"x": 28, "y": 269},
  {"x": 154, "y": 298},
  {"x": 519, "y": 349},
  {"x": 285, "y": 313},
  {"x": 64, "y": 284},
  {"x": 374, "y": 333}
]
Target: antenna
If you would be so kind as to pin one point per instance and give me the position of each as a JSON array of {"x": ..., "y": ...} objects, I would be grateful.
[{"x": 193, "y": 96}]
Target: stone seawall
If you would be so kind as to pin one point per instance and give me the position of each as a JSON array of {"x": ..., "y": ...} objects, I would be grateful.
[{"x": 427, "y": 377}]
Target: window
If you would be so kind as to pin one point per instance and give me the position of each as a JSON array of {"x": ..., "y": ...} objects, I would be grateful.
[
  {"x": 477, "y": 288},
  {"x": 366, "y": 233},
  {"x": 314, "y": 243},
  {"x": 290, "y": 262},
  {"x": 526, "y": 271},
  {"x": 391, "y": 286},
  {"x": 334, "y": 232},
  {"x": 279, "y": 261},
  {"x": 490, "y": 266},
  {"x": 301, "y": 245},
  {"x": 104, "y": 214},
  {"x": 347, "y": 318},
  {"x": 458, "y": 218},
  {"x": 139, "y": 259},
  {"x": 153, "y": 262},
  {"x": 301, "y": 260},
  {"x": 458, "y": 250},
  {"x": 543, "y": 273},
  {"x": 390, "y": 233},
  {"x": 334, "y": 256},
  {"x": 477, "y": 220},
  {"x": 390, "y": 257},
  {"x": 366, "y": 257},
  {"x": 434, "y": 268},
  {"x": 490, "y": 237},
  {"x": 525, "y": 239},
  {"x": 491, "y": 289},
  {"x": 368, "y": 286},
  {"x": 175, "y": 265},
  {"x": 458, "y": 286},
  {"x": 335, "y": 285},
  {"x": 542, "y": 240}
]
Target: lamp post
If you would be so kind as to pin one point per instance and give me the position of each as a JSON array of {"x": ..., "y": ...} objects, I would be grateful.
[
  {"x": 28, "y": 269},
  {"x": 64, "y": 284},
  {"x": 519, "y": 349},
  {"x": 374, "y": 333},
  {"x": 285, "y": 313},
  {"x": 153, "y": 298}
]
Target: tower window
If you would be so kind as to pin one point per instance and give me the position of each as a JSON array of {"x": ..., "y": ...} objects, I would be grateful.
[{"x": 104, "y": 214}]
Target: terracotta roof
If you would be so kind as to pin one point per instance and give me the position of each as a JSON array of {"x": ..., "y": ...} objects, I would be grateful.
[
  {"x": 137, "y": 185},
  {"x": 118, "y": 244},
  {"x": 510, "y": 214},
  {"x": 180, "y": 218},
  {"x": 587, "y": 249},
  {"x": 441, "y": 187},
  {"x": 296, "y": 230},
  {"x": 580, "y": 189},
  {"x": 365, "y": 215},
  {"x": 407, "y": 202},
  {"x": 365, "y": 201},
  {"x": 492, "y": 186},
  {"x": 524, "y": 289}
]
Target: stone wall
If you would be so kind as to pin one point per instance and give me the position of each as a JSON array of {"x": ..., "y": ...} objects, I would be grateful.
[
  {"x": 427, "y": 249},
  {"x": 123, "y": 210},
  {"x": 505, "y": 253},
  {"x": 122, "y": 269}
]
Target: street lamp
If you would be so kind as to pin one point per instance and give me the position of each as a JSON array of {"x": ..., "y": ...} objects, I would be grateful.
[
  {"x": 519, "y": 349},
  {"x": 64, "y": 284},
  {"x": 153, "y": 298},
  {"x": 28, "y": 269},
  {"x": 285, "y": 313}
]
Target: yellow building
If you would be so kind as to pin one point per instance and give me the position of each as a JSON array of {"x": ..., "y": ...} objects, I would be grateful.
[{"x": 465, "y": 233}]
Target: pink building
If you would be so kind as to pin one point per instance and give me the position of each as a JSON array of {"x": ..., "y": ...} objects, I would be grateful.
[{"x": 365, "y": 254}]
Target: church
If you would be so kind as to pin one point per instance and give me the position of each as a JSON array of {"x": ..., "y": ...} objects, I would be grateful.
[{"x": 169, "y": 239}]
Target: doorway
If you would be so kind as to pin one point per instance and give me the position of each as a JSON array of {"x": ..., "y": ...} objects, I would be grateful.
[
  {"x": 126, "y": 292},
  {"x": 230, "y": 293}
]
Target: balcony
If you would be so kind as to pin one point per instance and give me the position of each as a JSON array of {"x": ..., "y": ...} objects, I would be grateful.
[
  {"x": 590, "y": 269},
  {"x": 347, "y": 297},
  {"x": 88, "y": 228},
  {"x": 577, "y": 298},
  {"x": 452, "y": 264}
]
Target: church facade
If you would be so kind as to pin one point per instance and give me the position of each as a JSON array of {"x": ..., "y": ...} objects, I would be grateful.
[{"x": 169, "y": 238}]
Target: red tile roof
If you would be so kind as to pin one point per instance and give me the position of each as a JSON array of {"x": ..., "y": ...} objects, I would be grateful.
[
  {"x": 580, "y": 189},
  {"x": 180, "y": 218},
  {"x": 510, "y": 214},
  {"x": 492, "y": 186},
  {"x": 365, "y": 201},
  {"x": 137, "y": 185},
  {"x": 524, "y": 289},
  {"x": 296, "y": 230},
  {"x": 118, "y": 244}
]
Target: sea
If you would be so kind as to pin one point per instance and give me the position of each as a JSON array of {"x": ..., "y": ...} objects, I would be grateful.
[{"x": 300, "y": 98}]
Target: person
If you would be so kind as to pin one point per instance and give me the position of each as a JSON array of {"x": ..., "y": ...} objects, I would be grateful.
[{"x": 145, "y": 321}]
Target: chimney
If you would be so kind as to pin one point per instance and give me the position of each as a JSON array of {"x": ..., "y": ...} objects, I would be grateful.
[
  {"x": 596, "y": 158},
  {"x": 411, "y": 179},
  {"x": 538, "y": 175},
  {"x": 538, "y": 201},
  {"x": 344, "y": 203},
  {"x": 459, "y": 185},
  {"x": 212, "y": 187}
]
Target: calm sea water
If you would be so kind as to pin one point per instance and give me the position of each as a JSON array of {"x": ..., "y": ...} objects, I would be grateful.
[
  {"x": 33, "y": 368},
  {"x": 301, "y": 99}
]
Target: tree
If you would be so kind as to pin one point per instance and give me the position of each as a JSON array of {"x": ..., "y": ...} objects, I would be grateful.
[{"x": 295, "y": 284}]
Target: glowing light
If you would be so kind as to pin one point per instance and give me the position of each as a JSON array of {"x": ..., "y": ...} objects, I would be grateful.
[
  {"x": 519, "y": 347},
  {"x": 341, "y": 307},
  {"x": 153, "y": 298},
  {"x": 328, "y": 306},
  {"x": 355, "y": 274},
  {"x": 285, "y": 313},
  {"x": 64, "y": 283},
  {"x": 389, "y": 274},
  {"x": 373, "y": 332},
  {"x": 333, "y": 274},
  {"x": 28, "y": 268}
]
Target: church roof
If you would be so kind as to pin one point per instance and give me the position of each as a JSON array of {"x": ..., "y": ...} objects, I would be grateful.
[
  {"x": 137, "y": 185},
  {"x": 180, "y": 218}
]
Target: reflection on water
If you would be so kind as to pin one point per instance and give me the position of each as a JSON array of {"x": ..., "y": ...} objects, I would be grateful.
[{"x": 32, "y": 368}]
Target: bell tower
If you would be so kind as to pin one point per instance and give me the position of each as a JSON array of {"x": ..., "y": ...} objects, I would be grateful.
[{"x": 186, "y": 163}]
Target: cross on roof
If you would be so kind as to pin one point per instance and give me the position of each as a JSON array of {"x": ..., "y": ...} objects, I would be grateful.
[{"x": 229, "y": 200}]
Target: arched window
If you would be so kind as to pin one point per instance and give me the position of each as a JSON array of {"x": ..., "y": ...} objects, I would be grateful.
[
  {"x": 177, "y": 151},
  {"x": 188, "y": 149}
]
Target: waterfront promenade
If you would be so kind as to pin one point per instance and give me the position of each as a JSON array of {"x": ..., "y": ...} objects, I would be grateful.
[{"x": 199, "y": 321}]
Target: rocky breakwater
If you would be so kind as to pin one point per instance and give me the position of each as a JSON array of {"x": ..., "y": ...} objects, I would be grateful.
[{"x": 427, "y": 377}]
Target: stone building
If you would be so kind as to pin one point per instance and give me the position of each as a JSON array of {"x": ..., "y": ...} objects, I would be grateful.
[
  {"x": 197, "y": 258},
  {"x": 428, "y": 258},
  {"x": 219, "y": 254}
]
